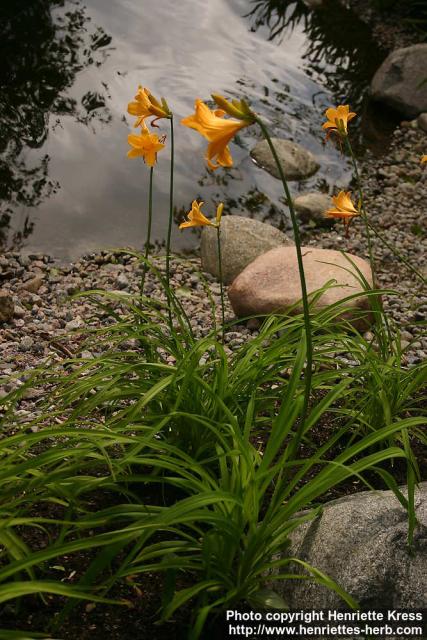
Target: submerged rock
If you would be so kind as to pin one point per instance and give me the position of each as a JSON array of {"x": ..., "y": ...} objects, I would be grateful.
[
  {"x": 242, "y": 240},
  {"x": 400, "y": 80},
  {"x": 297, "y": 163},
  {"x": 271, "y": 283},
  {"x": 312, "y": 206},
  {"x": 361, "y": 542}
]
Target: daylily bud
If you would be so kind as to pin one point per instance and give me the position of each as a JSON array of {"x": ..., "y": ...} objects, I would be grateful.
[
  {"x": 219, "y": 211},
  {"x": 154, "y": 101},
  {"x": 166, "y": 107},
  {"x": 246, "y": 109},
  {"x": 159, "y": 109},
  {"x": 235, "y": 108}
]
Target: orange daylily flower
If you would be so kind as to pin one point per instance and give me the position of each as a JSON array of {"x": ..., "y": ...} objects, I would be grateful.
[
  {"x": 217, "y": 130},
  {"x": 197, "y": 219},
  {"x": 145, "y": 105},
  {"x": 338, "y": 119},
  {"x": 146, "y": 145},
  {"x": 344, "y": 208},
  {"x": 423, "y": 159}
]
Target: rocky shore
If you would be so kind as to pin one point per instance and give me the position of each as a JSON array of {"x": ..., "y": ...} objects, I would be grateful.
[{"x": 39, "y": 321}]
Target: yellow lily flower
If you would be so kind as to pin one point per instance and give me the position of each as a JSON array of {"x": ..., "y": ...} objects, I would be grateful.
[
  {"x": 197, "y": 219},
  {"x": 344, "y": 208},
  {"x": 338, "y": 119},
  {"x": 217, "y": 130},
  {"x": 145, "y": 145},
  {"x": 145, "y": 105}
]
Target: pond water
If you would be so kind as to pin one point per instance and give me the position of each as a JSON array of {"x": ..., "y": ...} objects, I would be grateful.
[{"x": 66, "y": 186}]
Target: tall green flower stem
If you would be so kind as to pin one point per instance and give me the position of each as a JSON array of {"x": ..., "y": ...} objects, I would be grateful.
[
  {"x": 361, "y": 204},
  {"x": 410, "y": 474},
  {"x": 218, "y": 235},
  {"x": 148, "y": 238},
  {"x": 306, "y": 309},
  {"x": 370, "y": 228},
  {"x": 168, "y": 239},
  {"x": 382, "y": 316}
]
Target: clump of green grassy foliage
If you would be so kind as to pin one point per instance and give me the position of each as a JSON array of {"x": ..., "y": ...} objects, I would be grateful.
[{"x": 194, "y": 469}]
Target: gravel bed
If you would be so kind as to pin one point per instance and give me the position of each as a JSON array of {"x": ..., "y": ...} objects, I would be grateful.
[
  {"x": 389, "y": 27},
  {"x": 45, "y": 321}
]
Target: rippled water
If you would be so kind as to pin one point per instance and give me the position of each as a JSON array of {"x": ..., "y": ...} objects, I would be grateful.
[{"x": 66, "y": 186}]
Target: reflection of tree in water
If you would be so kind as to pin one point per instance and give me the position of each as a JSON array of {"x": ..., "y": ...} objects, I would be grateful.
[
  {"x": 278, "y": 15},
  {"x": 42, "y": 48},
  {"x": 341, "y": 51}
]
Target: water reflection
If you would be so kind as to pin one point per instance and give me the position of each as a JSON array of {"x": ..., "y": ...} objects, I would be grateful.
[
  {"x": 340, "y": 52},
  {"x": 278, "y": 15},
  {"x": 43, "y": 47},
  {"x": 64, "y": 177}
]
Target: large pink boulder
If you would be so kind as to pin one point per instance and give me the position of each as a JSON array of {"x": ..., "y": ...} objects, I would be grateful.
[{"x": 271, "y": 282}]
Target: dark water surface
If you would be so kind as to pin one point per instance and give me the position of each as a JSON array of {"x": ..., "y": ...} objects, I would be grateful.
[{"x": 66, "y": 186}]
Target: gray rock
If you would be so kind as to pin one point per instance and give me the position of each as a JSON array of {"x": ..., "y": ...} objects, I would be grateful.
[
  {"x": 122, "y": 282},
  {"x": 312, "y": 206},
  {"x": 24, "y": 260},
  {"x": 399, "y": 82},
  {"x": 19, "y": 312},
  {"x": 26, "y": 343},
  {"x": 74, "y": 324},
  {"x": 422, "y": 121},
  {"x": 242, "y": 240},
  {"x": 361, "y": 542},
  {"x": 297, "y": 163},
  {"x": 6, "y": 306}
]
